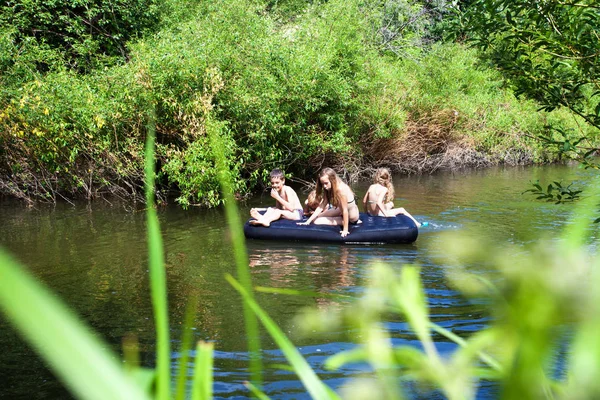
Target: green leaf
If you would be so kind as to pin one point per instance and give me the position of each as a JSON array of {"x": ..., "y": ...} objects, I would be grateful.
[
  {"x": 202, "y": 383},
  {"x": 338, "y": 360},
  {"x": 304, "y": 293},
  {"x": 186, "y": 347},
  {"x": 215, "y": 131},
  {"x": 409, "y": 296},
  {"x": 72, "y": 351},
  {"x": 311, "y": 381},
  {"x": 256, "y": 391},
  {"x": 158, "y": 285}
]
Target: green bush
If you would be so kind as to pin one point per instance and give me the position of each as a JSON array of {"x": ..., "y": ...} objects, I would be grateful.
[
  {"x": 317, "y": 89},
  {"x": 88, "y": 33}
]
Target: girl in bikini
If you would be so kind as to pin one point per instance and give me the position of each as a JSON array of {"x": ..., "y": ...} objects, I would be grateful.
[
  {"x": 379, "y": 199},
  {"x": 332, "y": 190}
]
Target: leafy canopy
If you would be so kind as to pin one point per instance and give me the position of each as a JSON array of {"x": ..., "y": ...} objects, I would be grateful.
[{"x": 547, "y": 49}]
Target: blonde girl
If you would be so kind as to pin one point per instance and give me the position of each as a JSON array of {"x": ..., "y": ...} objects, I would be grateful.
[
  {"x": 311, "y": 203},
  {"x": 379, "y": 199}
]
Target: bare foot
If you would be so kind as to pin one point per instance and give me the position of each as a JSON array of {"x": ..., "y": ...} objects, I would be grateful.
[
  {"x": 255, "y": 214},
  {"x": 258, "y": 222}
]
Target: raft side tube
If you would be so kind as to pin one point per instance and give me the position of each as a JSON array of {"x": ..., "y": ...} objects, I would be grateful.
[{"x": 399, "y": 229}]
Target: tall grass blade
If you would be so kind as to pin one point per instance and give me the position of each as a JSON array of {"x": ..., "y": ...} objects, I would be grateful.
[
  {"x": 144, "y": 377},
  {"x": 214, "y": 131},
  {"x": 73, "y": 352},
  {"x": 203, "y": 372},
  {"x": 312, "y": 383},
  {"x": 338, "y": 360},
  {"x": 410, "y": 297},
  {"x": 256, "y": 391},
  {"x": 303, "y": 293},
  {"x": 131, "y": 352},
  {"x": 486, "y": 358},
  {"x": 186, "y": 347},
  {"x": 158, "y": 285}
]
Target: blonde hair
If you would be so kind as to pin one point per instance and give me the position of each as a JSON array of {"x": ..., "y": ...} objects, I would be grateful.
[
  {"x": 384, "y": 178},
  {"x": 332, "y": 195},
  {"x": 313, "y": 200}
]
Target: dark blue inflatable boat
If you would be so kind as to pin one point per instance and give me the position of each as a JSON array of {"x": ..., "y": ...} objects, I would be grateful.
[{"x": 399, "y": 229}]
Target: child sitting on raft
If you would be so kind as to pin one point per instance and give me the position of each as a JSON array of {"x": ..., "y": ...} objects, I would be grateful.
[
  {"x": 379, "y": 199},
  {"x": 333, "y": 191},
  {"x": 287, "y": 203},
  {"x": 311, "y": 203}
]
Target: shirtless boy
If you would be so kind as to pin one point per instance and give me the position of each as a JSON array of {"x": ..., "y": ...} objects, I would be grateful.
[{"x": 287, "y": 203}]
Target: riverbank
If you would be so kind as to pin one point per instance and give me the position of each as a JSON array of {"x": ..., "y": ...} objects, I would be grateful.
[{"x": 319, "y": 92}]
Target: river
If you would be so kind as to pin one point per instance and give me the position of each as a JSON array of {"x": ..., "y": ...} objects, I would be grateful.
[{"x": 93, "y": 255}]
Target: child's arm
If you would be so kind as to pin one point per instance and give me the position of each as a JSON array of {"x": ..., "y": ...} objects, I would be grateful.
[
  {"x": 315, "y": 213},
  {"x": 365, "y": 200},
  {"x": 344, "y": 207},
  {"x": 307, "y": 210},
  {"x": 292, "y": 203},
  {"x": 380, "y": 201}
]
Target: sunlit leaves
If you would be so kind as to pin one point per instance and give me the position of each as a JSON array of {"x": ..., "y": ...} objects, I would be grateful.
[
  {"x": 554, "y": 192},
  {"x": 548, "y": 49}
]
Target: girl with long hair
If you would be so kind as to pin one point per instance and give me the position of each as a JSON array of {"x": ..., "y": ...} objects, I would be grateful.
[
  {"x": 379, "y": 199},
  {"x": 333, "y": 191}
]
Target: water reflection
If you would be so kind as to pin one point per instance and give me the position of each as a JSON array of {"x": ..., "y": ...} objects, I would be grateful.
[{"x": 329, "y": 270}]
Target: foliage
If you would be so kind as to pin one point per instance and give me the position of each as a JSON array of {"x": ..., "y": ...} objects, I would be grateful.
[
  {"x": 537, "y": 307},
  {"x": 574, "y": 146},
  {"x": 555, "y": 192},
  {"x": 297, "y": 94},
  {"x": 547, "y": 50},
  {"x": 87, "y": 33},
  {"x": 66, "y": 133},
  {"x": 404, "y": 28},
  {"x": 80, "y": 359}
]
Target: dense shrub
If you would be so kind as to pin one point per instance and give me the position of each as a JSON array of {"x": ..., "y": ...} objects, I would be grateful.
[
  {"x": 87, "y": 32},
  {"x": 288, "y": 93}
]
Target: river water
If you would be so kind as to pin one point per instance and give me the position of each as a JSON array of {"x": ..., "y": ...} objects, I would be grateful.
[{"x": 94, "y": 257}]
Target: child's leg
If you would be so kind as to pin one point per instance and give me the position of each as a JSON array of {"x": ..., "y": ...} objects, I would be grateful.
[
  {"x": 269, "y": 216},
  {"x": 292, "y": 215},
  {"x": 332, "y": 212},
  {"x": 401, "y": 210},
  {"x": 332, "y": 221},
  {"x": 255, "y": 214}
]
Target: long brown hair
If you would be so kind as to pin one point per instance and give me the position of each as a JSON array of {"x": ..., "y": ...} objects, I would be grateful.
[
  {"x": 384, "y": 178},
  {"x": 332, "y": 195}
]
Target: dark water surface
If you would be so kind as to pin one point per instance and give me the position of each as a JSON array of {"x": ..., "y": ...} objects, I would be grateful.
[{"x": 94, "y": 257}]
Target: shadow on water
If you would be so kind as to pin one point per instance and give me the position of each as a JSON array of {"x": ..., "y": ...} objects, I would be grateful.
[{"x": 94, "y": 257}]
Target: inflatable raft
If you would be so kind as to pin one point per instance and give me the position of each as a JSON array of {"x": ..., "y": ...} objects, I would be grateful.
[{"x": 399, "y": 229}]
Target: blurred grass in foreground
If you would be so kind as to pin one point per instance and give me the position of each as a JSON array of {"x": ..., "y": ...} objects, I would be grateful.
[{"x": 541, "y": 298}]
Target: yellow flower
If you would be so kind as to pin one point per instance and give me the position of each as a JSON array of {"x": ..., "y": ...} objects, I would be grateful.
[{"x": 99, "y": 121}]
